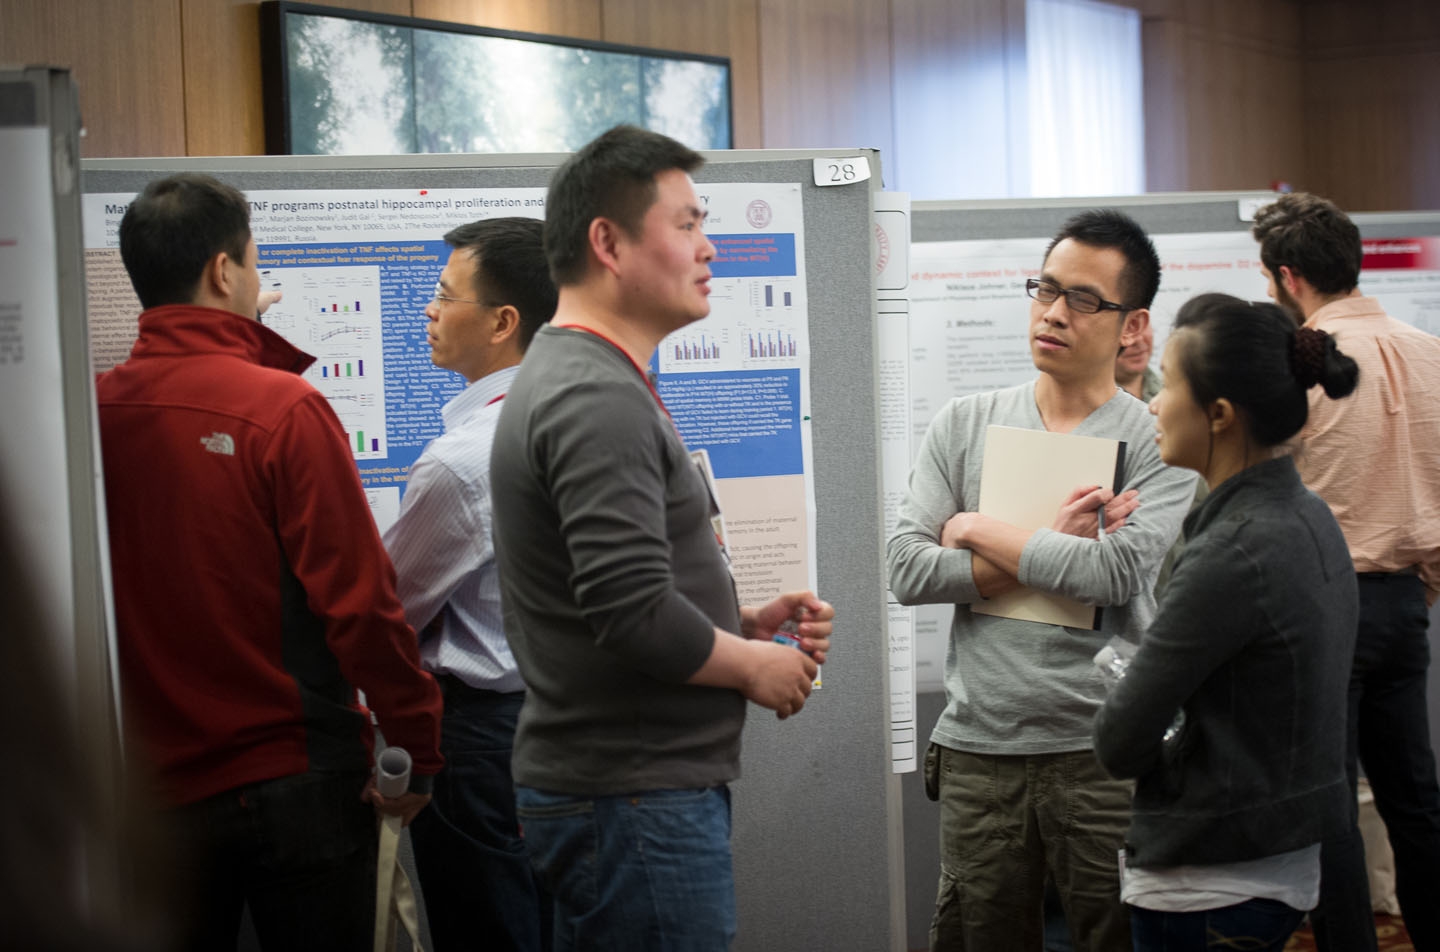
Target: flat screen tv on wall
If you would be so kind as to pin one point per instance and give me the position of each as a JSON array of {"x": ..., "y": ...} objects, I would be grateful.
[{"x": 343, "y": 82}]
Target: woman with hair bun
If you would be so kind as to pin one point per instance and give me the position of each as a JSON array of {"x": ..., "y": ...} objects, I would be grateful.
[{"x": 1252, "y": 643}]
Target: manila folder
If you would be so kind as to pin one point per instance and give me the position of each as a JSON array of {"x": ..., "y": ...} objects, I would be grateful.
[{"x": 1026, "y": 477}]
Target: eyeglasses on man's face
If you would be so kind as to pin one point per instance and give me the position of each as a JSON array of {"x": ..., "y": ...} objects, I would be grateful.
[
  {"x": 1081, "y": 302},
  {"x": 440, "y": 296}
]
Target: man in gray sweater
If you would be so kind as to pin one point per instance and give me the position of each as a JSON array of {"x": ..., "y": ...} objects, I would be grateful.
[
  {"x": 618, "y": 602},
  {"x": 1010, "y": 760}
]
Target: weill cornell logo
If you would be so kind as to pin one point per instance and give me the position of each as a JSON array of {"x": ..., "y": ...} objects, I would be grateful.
[{"x": 757, "y": 213}]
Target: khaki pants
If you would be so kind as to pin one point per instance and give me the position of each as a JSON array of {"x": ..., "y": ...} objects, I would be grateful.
[{"x": 1005, "y": 821}]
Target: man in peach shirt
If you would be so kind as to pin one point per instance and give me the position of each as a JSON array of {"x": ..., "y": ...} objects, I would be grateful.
[{"x": 1375, "y": 458}]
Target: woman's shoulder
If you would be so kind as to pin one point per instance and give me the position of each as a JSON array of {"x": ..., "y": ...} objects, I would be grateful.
[{"x": 1274, "y": 528}]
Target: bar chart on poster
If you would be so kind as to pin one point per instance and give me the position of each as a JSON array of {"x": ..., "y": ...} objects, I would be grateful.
[
  {"x": 333, "y": 313},
  {"x": 767, "y": 342},
  {"x": 693, "y": 348}
]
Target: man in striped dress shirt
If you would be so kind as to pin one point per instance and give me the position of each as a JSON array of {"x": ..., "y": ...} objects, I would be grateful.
[{"x": 493, "y": 294}]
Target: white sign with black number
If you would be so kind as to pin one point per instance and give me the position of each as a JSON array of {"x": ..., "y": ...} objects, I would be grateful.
[{"x": 842, "y": 171}]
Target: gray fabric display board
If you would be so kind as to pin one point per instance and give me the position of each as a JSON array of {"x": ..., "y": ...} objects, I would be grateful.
[
  {"x": 1196, "y": 213},
  {"x": 816, "y": 814},
  {"x": 1041, "y": 217},
  {"x": 49, "y": 441}
]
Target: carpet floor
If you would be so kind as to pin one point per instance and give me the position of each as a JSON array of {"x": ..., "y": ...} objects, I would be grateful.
[{"x": 1389, "y": 932}]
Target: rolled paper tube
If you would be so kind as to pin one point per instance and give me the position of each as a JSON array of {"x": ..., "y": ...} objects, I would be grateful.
[{"x": 392, "y": 772}]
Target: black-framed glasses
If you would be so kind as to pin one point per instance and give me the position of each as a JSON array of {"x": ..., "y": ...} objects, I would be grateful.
[
  {"x": 443, "y": 298},
  {"x": 1081, "y": 302}
]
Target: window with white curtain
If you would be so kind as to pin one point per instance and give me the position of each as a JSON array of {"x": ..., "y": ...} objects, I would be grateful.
[{"x": 1086, "y": 112}]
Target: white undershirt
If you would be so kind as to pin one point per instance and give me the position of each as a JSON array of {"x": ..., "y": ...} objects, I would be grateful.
[{"x": 1292, "y": 878}]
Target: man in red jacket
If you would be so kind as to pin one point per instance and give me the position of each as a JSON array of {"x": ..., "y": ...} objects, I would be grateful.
[{"x": 252, "y": 593}]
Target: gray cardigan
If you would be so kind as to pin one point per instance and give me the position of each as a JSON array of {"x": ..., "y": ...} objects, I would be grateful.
[
  {"x": 611, "y": 580},
  {"x": 1254, "y": 637}
]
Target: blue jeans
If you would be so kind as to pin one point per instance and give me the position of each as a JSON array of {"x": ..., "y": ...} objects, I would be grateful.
[
  {"x": 646, "y": 871},
  {"x": 299, "y": 850},
  {"x": 473, "y": 869},
  {"x": 1257, "y": 925},
  {"x": 1389, "y": 732}
]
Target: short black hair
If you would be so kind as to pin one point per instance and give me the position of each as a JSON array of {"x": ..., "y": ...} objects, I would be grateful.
[
  {"x": 1313, "y": 238},
  {"x": 1108, "y": 228},
  {"x": 510, "y": 268},
  {"x": 1248, "y": 354},
  {"x": 174, "y": 228},
  {"x": 612, "y": 177}
]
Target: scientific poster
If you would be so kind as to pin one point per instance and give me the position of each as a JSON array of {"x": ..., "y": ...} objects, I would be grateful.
[
  {"x": 891, "y": 248},
  {"x": 358, "y": 266},
  {"x": 1403, "y": 274},
  {"x": 738, "y": 385}
]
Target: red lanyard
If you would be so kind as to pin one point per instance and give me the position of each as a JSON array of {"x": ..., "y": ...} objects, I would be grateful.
[
  {"x": 493, "y": 400},
  {"x": 649, "y": 384}
]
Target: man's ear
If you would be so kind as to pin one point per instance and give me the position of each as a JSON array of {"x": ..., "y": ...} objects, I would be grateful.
[
  {"x": 1289, "y": 280},
  {"x": 1134, "y": 325},
  {"x": 507, "y": 325},
  {"x": 216, "y": 282},
  {"x": 605, "y": 237}
]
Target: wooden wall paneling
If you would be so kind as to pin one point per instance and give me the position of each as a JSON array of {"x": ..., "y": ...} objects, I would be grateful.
[
  {"x": 575, "y": 18},
  {"x": 825, "y": 74},
  {"x": 745, "y": 83},
  {"x": 1223, "y": 91},
  {"x": 1251, "y": 130},
  {"x": 1376, "y": 134},
  {"x": 1274, "y": 108},
  {"x": 1156, "y": 9},
  {"x": 1205, "y": 64},
  {"x": 126, "y": 58},
  {"x": 1386, "y": 25},
  {"x": 1347, "y": 170},
  {"x": 953, "y": 102},
  {"x": 224, "y": 111},
  {"x": 1369, "y": 103},
  {"x": 1421, "y": 115},
  {"x": 1239, "y": 18},
  {"x": 1167, "y": 128},
  {"x": 710, "y": 27}
]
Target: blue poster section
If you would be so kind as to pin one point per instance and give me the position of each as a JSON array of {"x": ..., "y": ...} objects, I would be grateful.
[
  {"x": 415, "y": 389},
  {"x": 748, "y": 420},
  {"x": 753, "y": 256}
]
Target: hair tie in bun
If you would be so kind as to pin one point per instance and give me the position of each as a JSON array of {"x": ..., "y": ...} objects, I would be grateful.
[{"x": 1307, "y": 356}]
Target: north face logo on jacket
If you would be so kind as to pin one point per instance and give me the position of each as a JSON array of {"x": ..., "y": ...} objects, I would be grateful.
[{"x": 222, "y": 443}]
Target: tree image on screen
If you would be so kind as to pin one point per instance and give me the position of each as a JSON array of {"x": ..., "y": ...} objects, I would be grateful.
[
  {"x": 357, "y": 87},
  {"x": 351, "y": 87}
]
